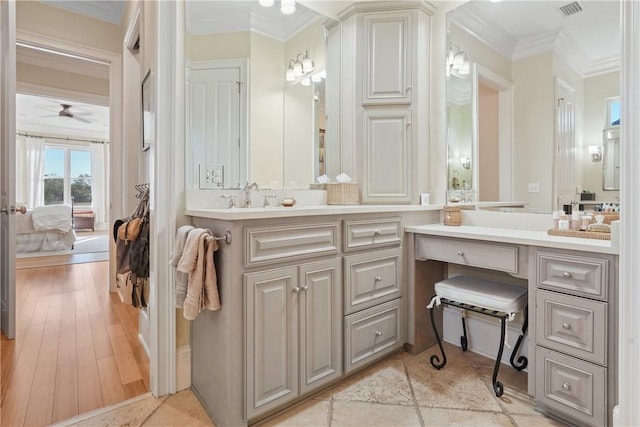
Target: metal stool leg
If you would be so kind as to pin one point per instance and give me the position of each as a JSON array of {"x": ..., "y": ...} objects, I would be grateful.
[
  {"x": 497, "y": 385},
  {"x": 463, "y": 338},
  {"x": 434, "y": 359},
  {"x": 522, "y": 360}
]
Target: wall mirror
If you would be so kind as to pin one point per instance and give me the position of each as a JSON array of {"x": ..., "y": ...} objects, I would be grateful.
[
  {"x": 534, "y": 48},
  {"x": 459, "y": 131},
  {"x": 249, "y": 119}
]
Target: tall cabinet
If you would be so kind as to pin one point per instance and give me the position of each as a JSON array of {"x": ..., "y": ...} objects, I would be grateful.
[{"x": 384, "y": 76}]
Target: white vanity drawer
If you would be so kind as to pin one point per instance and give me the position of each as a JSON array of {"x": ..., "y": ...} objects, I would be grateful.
[
  {"x": 371, "y": 233},
  {"x": 572, "y": 325},
  {"x": 267, "y": 244},
  {"x": 372, "y": 333},
  {"x": 578, "y": 275},
  {"x": 572, "y": 386},
  {"x": 475, "y": 254},
  {"x": 371, "y": 278}
]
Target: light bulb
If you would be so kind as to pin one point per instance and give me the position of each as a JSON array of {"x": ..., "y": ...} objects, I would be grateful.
[
  {"x": 287, "y": 7},
  {"x": 266, "y": 3},
  {"x": 458, "y": 60},
  {"x": 316, "y": 78},
  {"x": 290, "y": 76},
  {"x": 297, "y": 69},
  {"x": 307, "y": 63},
  {"x": 465, "y": 68}
]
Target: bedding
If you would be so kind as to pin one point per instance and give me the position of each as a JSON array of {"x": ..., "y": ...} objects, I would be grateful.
[{"x": 46, "y": 228}]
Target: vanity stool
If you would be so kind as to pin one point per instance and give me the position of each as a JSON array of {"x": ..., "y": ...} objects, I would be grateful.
[{"x": 482, "y": 296}]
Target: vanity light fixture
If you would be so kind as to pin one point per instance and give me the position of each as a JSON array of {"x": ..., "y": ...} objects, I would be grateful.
[
  {"x": 465, "y": 162},
  {"x": 299, "y": 67},
  {"x": 306, "y": 82},
  {"x": 266, "y": 3},
  {"x": 457, "y": 61},
  {"x": 596, "y": 153},
  {"x": 287, "y": 7}
]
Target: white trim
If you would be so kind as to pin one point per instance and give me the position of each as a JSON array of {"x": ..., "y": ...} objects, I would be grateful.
[
  {"x": 505, "y": 128},
  {"x": 133, "y": 32},
  {"x": 183, "y": 367},
  {"x": 629, "y": 291},
  {"x": 88, "y": 415}
]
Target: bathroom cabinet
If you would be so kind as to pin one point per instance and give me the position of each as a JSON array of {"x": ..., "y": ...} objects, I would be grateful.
[
  {"x": 384, "y": 92},
  {"x": 575, "y": 334},
  {"x": 306, "y": 301}
]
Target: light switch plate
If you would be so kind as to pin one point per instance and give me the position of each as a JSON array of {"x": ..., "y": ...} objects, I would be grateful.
[{"x": 211, "y": 176}]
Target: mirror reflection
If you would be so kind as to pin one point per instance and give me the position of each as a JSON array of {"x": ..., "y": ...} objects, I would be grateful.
[
  {"x": 459, "y": 131},
  {"x": 550, "y": 75},
  {"x": 255, "y": 91}
]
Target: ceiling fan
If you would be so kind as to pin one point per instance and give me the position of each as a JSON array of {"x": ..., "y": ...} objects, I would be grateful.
[{"x": 66, "y": 112}]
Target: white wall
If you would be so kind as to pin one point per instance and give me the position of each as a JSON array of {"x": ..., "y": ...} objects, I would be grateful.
[{"x": 488, "y": 153}]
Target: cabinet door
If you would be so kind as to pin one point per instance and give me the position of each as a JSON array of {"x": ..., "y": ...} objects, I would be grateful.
[
  {"x": 387, "y": 156},
  {"x": 272, "y": 338},
  {"x": 387, "y": 58},
  {"x": 320, "y": 324}
]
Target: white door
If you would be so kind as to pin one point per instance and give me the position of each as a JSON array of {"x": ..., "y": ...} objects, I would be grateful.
[
  {"x": 7, "y": 165},
  {"x": 214, "y": 127}
]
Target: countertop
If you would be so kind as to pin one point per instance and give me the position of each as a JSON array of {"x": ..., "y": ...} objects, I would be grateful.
[
  {"x": 238, "y": 214},
  {"x": 520, "y": 237}
]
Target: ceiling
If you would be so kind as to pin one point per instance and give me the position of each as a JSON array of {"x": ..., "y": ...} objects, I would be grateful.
[
  {"x": 589, "y": 40},
  {"x": 105, "y": 10}
]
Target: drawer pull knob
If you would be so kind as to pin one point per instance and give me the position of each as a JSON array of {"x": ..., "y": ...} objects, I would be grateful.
[
  {"x": 460, "y": 253},
  {"x": 305, "y": 288},
  {"x": 566, "y": 326},
  {"x": 296, "y": 289},
  {"x": 377, "y": 232},
  {"x": 378, "y": 278},
  {"x": 378, "y": 333},
  {"x": 566, "y": 386},
  {"x": 566, "y": 275}
]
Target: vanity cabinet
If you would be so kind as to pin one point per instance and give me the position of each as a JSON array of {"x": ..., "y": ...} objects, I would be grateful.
[
  {"x": 575, "y": 334},
  {"x": 294, "y": 336}
]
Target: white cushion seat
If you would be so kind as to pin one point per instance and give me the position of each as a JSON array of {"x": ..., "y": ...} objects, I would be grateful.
[{"x": 483, "y": 293}]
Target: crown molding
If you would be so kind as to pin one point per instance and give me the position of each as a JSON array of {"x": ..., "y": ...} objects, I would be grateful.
[
  {"x": 603, "y": 66},
  {"x": 480, "y": 26}
]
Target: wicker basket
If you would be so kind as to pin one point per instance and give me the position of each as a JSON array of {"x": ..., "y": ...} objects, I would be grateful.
[
  {"x": 452, "y": 215},
  {"x": 343, "y": 193},
  {"x": 581, "y": 234}
]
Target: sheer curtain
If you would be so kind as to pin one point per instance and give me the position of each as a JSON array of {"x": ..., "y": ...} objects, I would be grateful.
[
  {"x": 99, "y": 181},
  {"x": 30, "y": 171}
]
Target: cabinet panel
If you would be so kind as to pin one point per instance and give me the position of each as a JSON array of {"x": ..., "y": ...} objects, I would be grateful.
[
  {"x": 387, "y": 59},
  {"x": 485, "y": 255},
  {"x": 371, "y": 278},
  {"x": 573, "y": 325},
  {"x": 579, "y": 275},
  {"x": 571, "y": 386},
  {"x": 372, "y": 333},
  {"x": 272, "y": 338},
  {"x": 267, "y": 244},
  {"x": 320, "y": 324},
  {"x": 387, "y": 156},
  {"x": 372, "y": 233}
]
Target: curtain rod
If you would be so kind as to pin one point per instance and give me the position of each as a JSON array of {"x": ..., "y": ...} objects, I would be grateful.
[{"x": 28, "y": 135}]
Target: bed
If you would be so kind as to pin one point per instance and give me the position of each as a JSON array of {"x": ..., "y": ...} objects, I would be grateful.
[{"x": 45, "y": 228}]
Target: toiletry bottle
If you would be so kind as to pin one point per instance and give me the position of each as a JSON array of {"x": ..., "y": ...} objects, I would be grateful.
[
  {"x": 575, "y": 221},
  {"x": 556, "y": 217}
]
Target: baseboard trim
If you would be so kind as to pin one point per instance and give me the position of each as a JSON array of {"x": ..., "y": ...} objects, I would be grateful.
[
  {"x": 87, "y": 415},
  {"x": 183, "y": 367}
]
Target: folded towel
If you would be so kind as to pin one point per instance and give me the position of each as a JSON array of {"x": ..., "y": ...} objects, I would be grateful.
[
  {"x": 181, "y": 278},
  {"x": 193, "y": 302},
  {"x": 211, "y": 295}
]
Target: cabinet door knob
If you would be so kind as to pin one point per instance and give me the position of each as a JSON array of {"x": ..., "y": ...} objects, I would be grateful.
[
  {"x": 378, "y": 278},
  {"x": 305, "y": 288},
  {"x": 378, "y": 333},
  {"x": 377, "y": 232},
  {"x": 460, "y": 253},
  {"x": 566, "y": 326},
  {"x": 566, "y": 275},
  {"x": 296, "y": 289},
  {"x": 566, "y": 386}
]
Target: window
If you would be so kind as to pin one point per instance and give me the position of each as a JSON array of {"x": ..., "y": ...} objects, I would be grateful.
[
  {"x": 613, "y": 112},
  {"x": 67, "y": 173}
]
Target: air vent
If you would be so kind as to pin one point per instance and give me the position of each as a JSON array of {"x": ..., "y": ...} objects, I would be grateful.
[{"x": 571, "y": 8}]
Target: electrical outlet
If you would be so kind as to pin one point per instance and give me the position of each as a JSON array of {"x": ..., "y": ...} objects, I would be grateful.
[
  {"x": 211, "y": 176},
  {"x": 578, "y": 189},
  {"x": 534, "y": 187}
]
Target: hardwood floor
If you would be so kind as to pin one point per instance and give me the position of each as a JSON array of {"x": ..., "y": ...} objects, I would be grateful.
[{"x": 76, "y": 347}]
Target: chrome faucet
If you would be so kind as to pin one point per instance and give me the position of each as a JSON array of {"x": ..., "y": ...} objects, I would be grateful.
[{"x": 247, "y": 193}]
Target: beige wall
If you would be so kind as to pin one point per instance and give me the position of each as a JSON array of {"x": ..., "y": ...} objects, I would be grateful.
[
  {"x": 479, "y": 52},
  {"x": 41, "y": 76},
  {"x": 56, "y": 23},
  {"x": 488, "y": 153},
  {"x": 218, "y": 46}
]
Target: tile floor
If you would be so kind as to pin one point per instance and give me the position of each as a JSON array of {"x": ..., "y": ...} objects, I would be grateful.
[{"x": 403, "y": 390}]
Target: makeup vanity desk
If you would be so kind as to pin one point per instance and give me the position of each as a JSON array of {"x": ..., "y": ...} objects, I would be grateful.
[{"x": 572, "y": 287}]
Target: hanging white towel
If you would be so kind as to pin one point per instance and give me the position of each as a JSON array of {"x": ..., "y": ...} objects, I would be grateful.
[
  {"x": 193, "y": 262},
  {"x": 211, "y": 298}
]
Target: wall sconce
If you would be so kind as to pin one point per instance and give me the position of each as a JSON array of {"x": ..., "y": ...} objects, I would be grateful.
[
  {"x": 457, "y": 61},
  {"x": 465, "y": 162},
  {"x": 596, "y": 153},
  {"x": 298, "y": 67}
]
